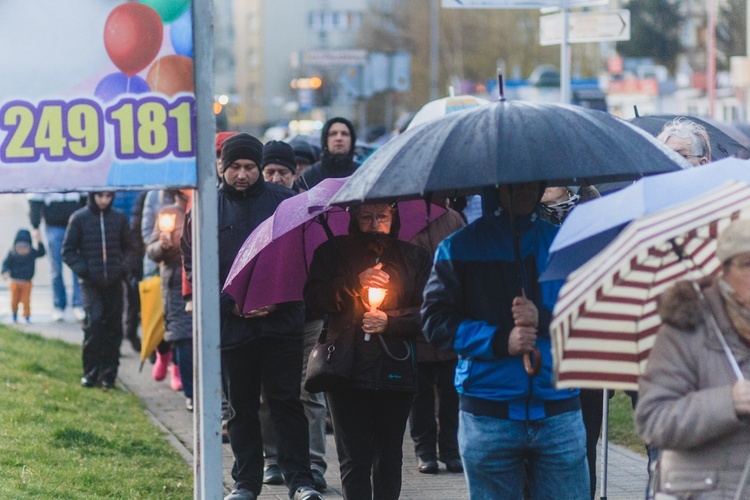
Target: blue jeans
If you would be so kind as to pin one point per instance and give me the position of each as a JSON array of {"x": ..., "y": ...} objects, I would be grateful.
[
  {"x": 55, "y": 235},
  {"x": 493, "y": 452}
]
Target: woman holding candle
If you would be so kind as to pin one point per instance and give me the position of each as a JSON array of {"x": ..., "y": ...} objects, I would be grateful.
[{"x": 369, "y": 412}]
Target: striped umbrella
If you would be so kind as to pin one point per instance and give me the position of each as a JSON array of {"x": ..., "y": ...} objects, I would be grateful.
[{"x": 605, "y": 320}]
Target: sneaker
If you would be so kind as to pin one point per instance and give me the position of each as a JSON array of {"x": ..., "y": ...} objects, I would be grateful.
[
  {"x": 159, "y": 371},
  {"x": 240, "y": 494},
  {"x": 175, "y": 382},
  {"x": 135, "y": 342},
  {"x": 319, "y": 482},
  {"x": 189, "y": 404},
  {"x": 15, "y": 318},
  {"x": 79, "y": 314},
  {"x": 307, "y": 493},
  {"x": 108, "y": 384},
  {"x": 224, "y": 432},
  {"x": 28, "y": 320},
  {"x": 87, "y": 382},
  {"x": 58, "y": 314}
]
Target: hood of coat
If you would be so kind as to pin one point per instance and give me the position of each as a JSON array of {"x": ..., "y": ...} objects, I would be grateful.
[
  {"x": 23, "y": 236},
  {"x": 680, "y": 305},
  {"x": 91, "y": 203}
]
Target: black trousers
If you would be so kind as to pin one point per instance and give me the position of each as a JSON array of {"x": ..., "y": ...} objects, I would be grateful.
[
  {"x": 368, "y": 427},
  {"x": 102, "y": 331},
  {"x": 276, "y": 365},
  {"x": 592, "y": 411},
  {"x": 429, "y": 435},
  {"x": 132, "y": 307}
]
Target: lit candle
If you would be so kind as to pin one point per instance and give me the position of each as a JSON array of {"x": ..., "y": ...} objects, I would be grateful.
[
  {"x": 375, "y": 297},
  {"x": 167, "y": 222}
]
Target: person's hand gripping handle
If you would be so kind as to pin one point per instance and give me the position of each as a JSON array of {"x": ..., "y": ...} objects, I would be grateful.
[{"x": 523, "y": 336}]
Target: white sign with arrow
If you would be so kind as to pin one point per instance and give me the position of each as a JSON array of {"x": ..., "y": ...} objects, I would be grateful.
[{"x": 598, "y": 26}]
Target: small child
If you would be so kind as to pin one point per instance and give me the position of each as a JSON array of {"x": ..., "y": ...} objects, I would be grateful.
[{"x": 19, "y": 265}]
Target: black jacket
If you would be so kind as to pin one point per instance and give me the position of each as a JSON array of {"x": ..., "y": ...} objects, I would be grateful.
[
  {"x": 99, "y": 246},
  {"x": 333, "y": 287},
  {"x": 21, "y": 267},
  {"x": 329, "y": 166},
  {"x": 54, "y": 208},
  {"x": 240, "y": 212}
]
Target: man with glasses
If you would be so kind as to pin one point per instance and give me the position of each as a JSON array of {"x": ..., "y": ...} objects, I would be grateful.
[{"x": 687, "y": 138}]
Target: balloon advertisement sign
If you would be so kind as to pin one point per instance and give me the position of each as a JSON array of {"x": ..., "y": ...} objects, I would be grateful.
[{"x": 96, "y": 94}]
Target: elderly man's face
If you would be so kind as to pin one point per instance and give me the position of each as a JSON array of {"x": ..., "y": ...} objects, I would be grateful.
[
  {"x": 684, "y": 148},
  {"x": 278, "y": 174}
]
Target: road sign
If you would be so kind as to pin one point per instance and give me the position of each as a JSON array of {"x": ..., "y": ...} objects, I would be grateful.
[
  {"x": 597, "y": 26},
  {"x": 334, "y": 57},
  {"x": 518, "y": 4}
]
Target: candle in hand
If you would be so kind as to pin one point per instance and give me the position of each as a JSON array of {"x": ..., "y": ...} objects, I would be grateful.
[
  {"x": 167, "y": 222},
  {"x": 375, "y": 297}
]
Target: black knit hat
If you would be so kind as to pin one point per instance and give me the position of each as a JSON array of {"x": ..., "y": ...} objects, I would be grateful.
[
  {"x": 241, "y": 147},
  {"x": 304, "y": 151},
  {"x": 280, "y": 153}
]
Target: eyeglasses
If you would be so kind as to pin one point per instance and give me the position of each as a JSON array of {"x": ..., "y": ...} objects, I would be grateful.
[{"x": 374, "y": 218}]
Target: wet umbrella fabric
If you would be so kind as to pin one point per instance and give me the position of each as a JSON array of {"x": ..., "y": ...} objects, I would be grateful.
[
  {"x": 272, "y": 265},
  {"x": 592, "y": 225},
  {"x": 722, "y": 145},
  {"x": 508, "y": 142},
  {"x": 605, "y": 320},
  {"x": 446, "y": 105}
]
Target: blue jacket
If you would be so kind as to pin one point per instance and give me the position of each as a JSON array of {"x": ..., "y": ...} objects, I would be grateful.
[{"x": 467, "y": 308}]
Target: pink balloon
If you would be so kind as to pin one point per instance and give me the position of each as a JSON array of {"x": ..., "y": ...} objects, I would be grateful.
[{"x": 133, "y": 34}]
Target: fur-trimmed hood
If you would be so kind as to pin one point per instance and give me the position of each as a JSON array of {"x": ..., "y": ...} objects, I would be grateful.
[{"x": 680, "y": 306}]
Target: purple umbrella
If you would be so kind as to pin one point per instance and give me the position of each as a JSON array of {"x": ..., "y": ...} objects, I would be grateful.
[{"x": 272, "y": 265}]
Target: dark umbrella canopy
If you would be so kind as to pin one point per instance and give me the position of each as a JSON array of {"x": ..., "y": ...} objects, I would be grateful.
[
  {"x": 508, "y": 142},
  {"x": 722, "y": 144}
]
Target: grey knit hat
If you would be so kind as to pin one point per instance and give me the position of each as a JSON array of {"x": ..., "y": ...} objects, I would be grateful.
[{"x": 734, "y": 240}]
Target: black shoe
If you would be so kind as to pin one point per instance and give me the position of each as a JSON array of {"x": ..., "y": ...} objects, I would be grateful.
[
  {"x": 427, "y": 465},
  {"x": 240, "y": 494},
  {"x": 108, "y": 384},
  {"x": 454, "y": 465},
  {"x": 135, "y": 342},
  {"x": 272, "y": 475},
  {"x": 307, "y": 493},
  {"x": 88, "y": 382},
  {"x": 319, "y": 482}
]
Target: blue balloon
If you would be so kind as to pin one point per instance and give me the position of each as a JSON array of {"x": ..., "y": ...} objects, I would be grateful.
[
  {"x": 117, "y": 84},
  {"x": 181, "y": 34}
]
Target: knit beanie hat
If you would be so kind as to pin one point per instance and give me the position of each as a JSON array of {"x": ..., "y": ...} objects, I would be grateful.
[
  {"x": 734, "y": 240},
  {"x": 241, "y": 147},
  {"x": 280, "y": 153},
  {"x": 303, "y": 151}
]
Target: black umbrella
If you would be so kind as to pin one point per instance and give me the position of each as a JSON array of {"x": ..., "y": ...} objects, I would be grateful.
[
  {"x": 508, "y": 142},
  {"x": 722, "y": 144}
]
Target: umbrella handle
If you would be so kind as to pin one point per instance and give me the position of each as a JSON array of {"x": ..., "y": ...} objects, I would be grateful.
[{"x": 534, "y": 368}]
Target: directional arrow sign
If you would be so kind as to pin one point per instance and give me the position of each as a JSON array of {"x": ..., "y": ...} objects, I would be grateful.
[{"x": 600, "y": 26}]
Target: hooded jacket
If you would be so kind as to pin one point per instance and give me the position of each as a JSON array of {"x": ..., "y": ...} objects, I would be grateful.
[
  {"x": 685, "y": 405},
  {"x": 467, "y": 308},
  {"x": 333, "y": 287},
  {"x": 21, "y": 267},
  {"x": 240, "y": 212},
  {"x": 330, "y": 166},
  {"x": 99, "y": 246}
]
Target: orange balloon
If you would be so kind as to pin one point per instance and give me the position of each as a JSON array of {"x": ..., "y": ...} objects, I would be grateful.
[{"x": 171, "y": 75}]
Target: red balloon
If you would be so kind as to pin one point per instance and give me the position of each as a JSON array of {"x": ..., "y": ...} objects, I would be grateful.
[
  {"x": 171, "y": 75},
  {"x": 133, "y": 34}
]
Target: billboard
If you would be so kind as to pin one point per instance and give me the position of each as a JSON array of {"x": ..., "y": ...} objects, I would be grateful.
[{"x": 96, "y": 94}]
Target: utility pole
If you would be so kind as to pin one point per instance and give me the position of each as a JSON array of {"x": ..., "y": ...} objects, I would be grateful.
[{"x": 711, "y": 57}]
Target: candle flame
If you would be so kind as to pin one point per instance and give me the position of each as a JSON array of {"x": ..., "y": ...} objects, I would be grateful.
[
  {"x": 375, "y": 296},
  {"x": 167, "y": 222}
]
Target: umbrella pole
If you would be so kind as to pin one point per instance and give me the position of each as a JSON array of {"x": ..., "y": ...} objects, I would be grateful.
[{"x": 605, "y": 443}]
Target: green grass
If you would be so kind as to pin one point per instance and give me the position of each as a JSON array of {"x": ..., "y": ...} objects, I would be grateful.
[
  {"x": 621, "y": 424},
  {"x": 60, "y": 440}
]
